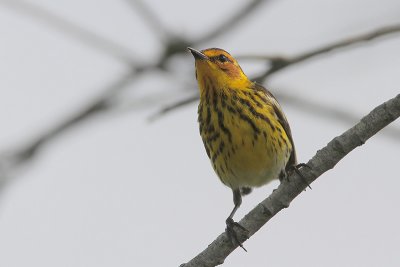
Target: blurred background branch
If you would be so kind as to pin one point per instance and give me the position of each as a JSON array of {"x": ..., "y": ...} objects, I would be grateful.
[
  {"x": 151, "y": 19},
  {"x": 174, "y": 45},
  {"x": 76, "y": 120},
  {"x": 76, "y": 32},
  {"x": 279, "y": 63},
  {"x": 231, "y": 21}
]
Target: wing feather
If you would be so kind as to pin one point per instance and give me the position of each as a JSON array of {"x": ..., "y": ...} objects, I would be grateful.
[{"x": 282, "y": 120}]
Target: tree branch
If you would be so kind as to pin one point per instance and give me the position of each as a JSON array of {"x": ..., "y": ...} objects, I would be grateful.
[{"x": 324, "y": 160}]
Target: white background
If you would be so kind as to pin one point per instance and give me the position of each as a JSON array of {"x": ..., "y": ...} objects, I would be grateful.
[{"x": 118, "y": 190}]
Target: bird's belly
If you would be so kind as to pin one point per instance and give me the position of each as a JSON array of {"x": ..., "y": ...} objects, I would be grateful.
[
  {"x": 253, "y": 165},
  {"x": 250, "y": 160}
]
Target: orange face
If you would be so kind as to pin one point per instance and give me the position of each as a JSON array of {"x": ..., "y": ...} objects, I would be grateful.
[{"x": 218, "y": 67}]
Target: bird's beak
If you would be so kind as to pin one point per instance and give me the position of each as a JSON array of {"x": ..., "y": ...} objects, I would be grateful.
[{"x": 197, "y": 54}]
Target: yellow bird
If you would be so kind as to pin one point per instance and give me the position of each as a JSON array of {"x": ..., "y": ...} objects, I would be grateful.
[{"x": 244, "y": 130}]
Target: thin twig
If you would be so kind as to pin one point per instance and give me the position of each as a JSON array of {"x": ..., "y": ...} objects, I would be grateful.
[
  {"x": 324, "y": 160},
  {"x": 230, "y": 23},
  {"x": 174, "y": 106},
  {"x": 152, "y": 20},
  {"x": 65, "y": 26},
  {"x": 96, "y": 106},
  {"x": 279, "y": 63}
]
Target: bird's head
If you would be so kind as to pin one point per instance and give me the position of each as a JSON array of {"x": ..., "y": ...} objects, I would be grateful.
[{"x": 217, "y": 69}]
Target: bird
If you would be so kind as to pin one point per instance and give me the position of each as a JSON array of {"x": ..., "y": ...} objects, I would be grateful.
[{"x": 245, "y": 133}]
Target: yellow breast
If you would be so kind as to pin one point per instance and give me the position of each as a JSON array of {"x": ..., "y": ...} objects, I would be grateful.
[{"x": 247, "y": 145}]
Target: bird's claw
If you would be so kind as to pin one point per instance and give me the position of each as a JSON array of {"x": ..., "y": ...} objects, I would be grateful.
[
  {"x": 230, "y": 231},
  {"x": 296, "y": 169}
]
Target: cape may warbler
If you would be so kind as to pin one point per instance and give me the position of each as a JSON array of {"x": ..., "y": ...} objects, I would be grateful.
[{"x": 244, "y": 130}]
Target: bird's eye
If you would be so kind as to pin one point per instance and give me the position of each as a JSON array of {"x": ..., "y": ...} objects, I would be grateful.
[{"x": 222, "y": 58}]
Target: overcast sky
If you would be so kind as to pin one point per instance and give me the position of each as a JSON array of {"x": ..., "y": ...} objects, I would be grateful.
[{"x": 118, "y": 190}]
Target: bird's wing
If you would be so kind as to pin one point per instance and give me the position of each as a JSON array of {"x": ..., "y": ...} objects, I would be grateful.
[{"x": 282, "y": 120}]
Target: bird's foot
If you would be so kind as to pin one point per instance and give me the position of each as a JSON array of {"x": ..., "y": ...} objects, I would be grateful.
[
  {"x": 296, "y": 169},
  {"x": 232, "y": 235}
]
